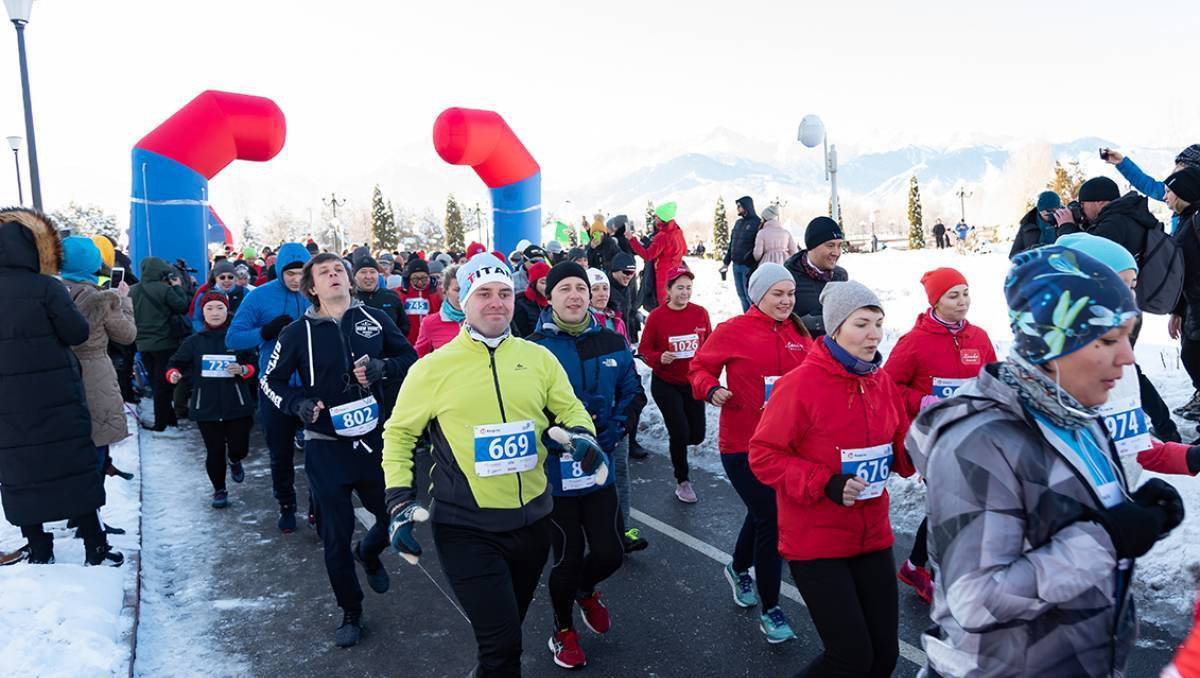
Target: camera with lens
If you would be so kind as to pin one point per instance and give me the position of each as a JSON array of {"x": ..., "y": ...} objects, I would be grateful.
[{"x": 1076, "y": 212}]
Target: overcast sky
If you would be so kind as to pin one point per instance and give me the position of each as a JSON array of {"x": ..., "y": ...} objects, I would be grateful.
[{"x": 362, "y": 81}]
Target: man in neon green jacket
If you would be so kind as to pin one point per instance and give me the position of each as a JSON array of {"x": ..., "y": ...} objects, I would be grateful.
[{"x": 486, "y": 398}]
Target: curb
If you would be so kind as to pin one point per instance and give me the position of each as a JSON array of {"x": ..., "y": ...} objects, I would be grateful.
[{"x": 133, "y": 598}]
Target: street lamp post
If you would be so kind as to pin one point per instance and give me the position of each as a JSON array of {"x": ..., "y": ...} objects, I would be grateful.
[
  {"x": 333, "y": 203},
  {"x": 18, "y": 12},
  {"x": 963, "y": 194},
  {"x": 15, "y": 144},
  {"x": 812, "y": 132}
]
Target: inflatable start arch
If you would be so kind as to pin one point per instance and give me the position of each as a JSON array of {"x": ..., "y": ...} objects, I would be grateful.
[
  {"x": 169, "y": 215},
  {"x": 481, "y": 139}
]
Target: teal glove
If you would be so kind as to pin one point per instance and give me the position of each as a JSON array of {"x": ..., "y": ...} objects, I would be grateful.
[
  {"x": 400, "y": 529},
  {"x": 583, "y": 448}
]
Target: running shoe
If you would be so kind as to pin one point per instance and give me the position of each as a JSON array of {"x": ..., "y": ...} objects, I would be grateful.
[
  {"x": 685, "y": 493},
  {"x": 595, "y": 615},
  {"x": 287, "y": 519},
  {"x": 918, "y": 578},
  {"x": 633, "y": 540},
  {"x": 567, "y": 653},
  {"x": 377, "y": 575},
  {"x": 220, "y": 499},
  {"x": 350, "y": 632},
  {"x": 776, "y": 627},
  {"x": 743, "y": 587},
  {"x": 1190, "y": 409},
  {"x": 237, "y": 472}
]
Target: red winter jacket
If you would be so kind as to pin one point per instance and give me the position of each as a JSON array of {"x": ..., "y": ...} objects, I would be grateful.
[
  {"x": 666, "y": 250},
  {"x": 816, "y": 411},
  {"x": 749, "y": 347},
  {"x": 930, "y": 350},
  {"x": 670, "y": 330},
  {"x": 417, "y": 305}
]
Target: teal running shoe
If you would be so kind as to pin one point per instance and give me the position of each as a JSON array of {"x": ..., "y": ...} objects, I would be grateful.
[
  {"x": 743, "y": 587},
  {"x": 776, "y": 627}
]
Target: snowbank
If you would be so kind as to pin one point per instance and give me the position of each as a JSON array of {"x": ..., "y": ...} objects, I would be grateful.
[
  {"x": 66, "y": 620},
  {"x": 1167, "y": 576}
]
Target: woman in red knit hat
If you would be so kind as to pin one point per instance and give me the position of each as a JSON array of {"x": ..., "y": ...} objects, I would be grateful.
[
  {"x": 532, "y": 301},
  {"x": 938, "y": 355}
]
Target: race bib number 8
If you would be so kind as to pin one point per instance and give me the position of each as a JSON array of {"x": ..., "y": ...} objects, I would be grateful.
[
  {"x": 215, "y": 365},
  {"x": 573, "y": 476},
  {"x": 356, "y": 418},
  {"x": 505, "y": 448},
  {"x": 872, "y": 464},
  {"x": 1126, "y": 423},
  {"x": 416, "y": 306},
  {"x": 684, "y": 345},
  {"x": 944, "y": 388}
]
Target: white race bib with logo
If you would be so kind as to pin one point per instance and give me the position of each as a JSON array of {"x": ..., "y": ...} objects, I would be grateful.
[
  {"x": 769, "y": 385},
  {"x": 355, "y": 418},
  {"x": 416, "y": 306},
  {"x": 944, "y": 388},
  {"x": 872, "y": 464},
  {"x": 505, "y": 448},
  {"x": 684, "y": 345},
  {"x": 573, "y": 476},
  {"x": 215, "y": 365},
  {"x": 1126, "y": 423}
]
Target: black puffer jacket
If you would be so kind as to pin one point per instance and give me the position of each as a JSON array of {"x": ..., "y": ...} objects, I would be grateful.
[
  {"x": 1029, "y": 234},
  {"x": 741, "y": 240},
  {"x": 808, "y": 292},
  {"x": 214, "y": 398},
  {"x": 387, "y": 301},
  {"x": 48, "y": 465},
  {"x": 1123, "y": 221},
  {"x": 525, "y": 316},
  {"x": 1187, "y": 236}
]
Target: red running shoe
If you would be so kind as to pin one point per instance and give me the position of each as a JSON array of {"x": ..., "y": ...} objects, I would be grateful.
[
  {"x": 595, "y": 615},
  {"x": 567, "y": 653},
  {"x": 919, "y": 579}
]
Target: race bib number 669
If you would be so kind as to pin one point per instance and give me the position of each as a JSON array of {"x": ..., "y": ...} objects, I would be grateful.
[{"x": 505, "y": 448}]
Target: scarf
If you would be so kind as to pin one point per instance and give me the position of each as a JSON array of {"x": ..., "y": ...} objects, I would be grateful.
[
  {"x": 1038, "y": 392},
  {"x": 532, "y": 295},
  {"x": 490, "y": 342},
  {"x": 573, "y": 329},
  {"x": 853, "y": 364},
  {"x": 814, "y": 272},
  {"x": 451, "y": 314},
  {"x": 1047, "y": 232},
  {"x": 954, "y": 328}
]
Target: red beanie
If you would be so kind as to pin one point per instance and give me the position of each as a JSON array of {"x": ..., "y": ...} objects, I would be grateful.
[
  {"x": 537, "y": 272},
  {"x": 215, "y": 296},
  {"x": 475, "y": 248},
  {"x": 938, "y": 281}
]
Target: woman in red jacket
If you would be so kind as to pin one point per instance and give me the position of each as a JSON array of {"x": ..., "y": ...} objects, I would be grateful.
[
  {"x": 671, "y": 337},
  {"x": 666, "y": 248},
  {"x": 754, "y": 349},
  {"x": 938, "y": 355},
  {"x": 831, "y": 433}
]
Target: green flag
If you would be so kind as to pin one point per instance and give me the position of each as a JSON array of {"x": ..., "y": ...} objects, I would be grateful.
[{"x": 562, "y": 232}]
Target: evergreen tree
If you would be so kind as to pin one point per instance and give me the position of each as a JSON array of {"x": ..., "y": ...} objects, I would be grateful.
[
  {"x": 916, "y": 234},
  {"x": 383, "y": 222},
  {"x": 454, "y": 229},
  {"x": 649, "y": 216},
  {"x": 86, "y": 220},
  {"x": 720, "y": 232},
  {"x": 250, "y": 235}
]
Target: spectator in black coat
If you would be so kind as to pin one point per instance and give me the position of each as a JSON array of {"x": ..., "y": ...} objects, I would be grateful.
[
  {"x": 740, "y": 253},
  {"x": 1106, "y": 213},
  {"x": 815, "y": 266},
  {"x": 48, "y": 465},
  {"x": 939, "y": 235}
]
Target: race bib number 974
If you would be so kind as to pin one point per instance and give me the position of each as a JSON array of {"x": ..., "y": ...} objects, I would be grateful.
[
  {"x": 872, "y": 464},
  {"x": 1126, "y": 423},
  {"x": 505, "y": 448}
]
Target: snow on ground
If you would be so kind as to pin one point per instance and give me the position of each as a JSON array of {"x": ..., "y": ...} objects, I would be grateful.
[
  {"x": 1167, "y": 576},
  {"x": 66, "y": 620}
]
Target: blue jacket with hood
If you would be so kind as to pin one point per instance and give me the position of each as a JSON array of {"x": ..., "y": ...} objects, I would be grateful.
[
  {"x": 1146, "y": 185},
  {"x": 266, "y": 303},
  {"x": 602, "y": 373}
]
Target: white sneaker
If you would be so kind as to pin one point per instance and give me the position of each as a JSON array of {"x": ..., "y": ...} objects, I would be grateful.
[{"x": 685, "y": 493}]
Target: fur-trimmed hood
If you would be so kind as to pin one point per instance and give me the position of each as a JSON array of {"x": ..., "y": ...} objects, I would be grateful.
[{"x": 28, "y": 240}]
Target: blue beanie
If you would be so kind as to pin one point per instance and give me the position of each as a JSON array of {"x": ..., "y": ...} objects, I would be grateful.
[
  {"x": 1048, "y": 200},
  {"x": 81, "y": 259},
  {"x": 1104, "y": 250},
  {"x": 1061, "y": 300}
]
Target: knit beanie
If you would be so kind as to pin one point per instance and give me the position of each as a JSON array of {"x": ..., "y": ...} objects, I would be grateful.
[
  {"x": 81, "y": 259},
  {"x": 939, "y": 281},
  {"x": 562, "y": 271},
  {"x": 764, "y": 278},
  {"x": 436, "y": 266},
  {"x": 222, "y": 267},
  {"x": 214, "y": 296},
  {"x": 666, "y": 211},
  {"x": 1099, "y": 189},
  {"x": 536, "y": 272},
  {"x": 475, "y": 248},
  {"x": 1048, "y": 200},
  {"x": 366, "y": 262},
  {"x": 1107, "y": 252},
  {"x": 597, "y": 277},
  {"x": 478, "y": 271},
  {"x": 1061, "y": 300},
  {"x": 416, "y": 265},
  {"x": 108, "y": 253},
  {"x": 1189, "y": 156},
  {"x": 624, "y": 262},
  {"x": 1185, "y": 184},
  {"x": 820, "y": 231},
  {"x": 840, "y": 299},
  {"x": 772, "y": 212}
]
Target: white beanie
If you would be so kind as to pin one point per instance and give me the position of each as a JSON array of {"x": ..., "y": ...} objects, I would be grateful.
[
  {"x": 483, "y": 268},
  {"x": 597, "y": 277}
]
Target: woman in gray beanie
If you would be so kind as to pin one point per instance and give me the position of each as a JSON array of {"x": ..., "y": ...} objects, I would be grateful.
[{"x": 753, "y": 349}]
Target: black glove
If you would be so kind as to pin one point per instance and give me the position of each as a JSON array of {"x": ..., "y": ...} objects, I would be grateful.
[
  {"x": 1133, "y": 528},
  {"x": 1193, "y": 459},
  {"x": 837, "y": 485},
  {"x": 1157, "y": 493},
  {"x": 305, "y": 409},
  {"x": 272, "y": 329},
  {"x": 375, "y": 368}
]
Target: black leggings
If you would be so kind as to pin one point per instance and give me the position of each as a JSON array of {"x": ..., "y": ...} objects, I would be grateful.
[
  {"x": 590, "y": 520},
  {"x": 684, "y": 418},
  {"x": 164, "y": 391},
  {"x": 231, "y": 437},
  {"x": 758, "y": 541},
  {"x": 919, "y": 555},
  {"x": 1189, "y": 352},
  {"x": 853, "y": 605}
]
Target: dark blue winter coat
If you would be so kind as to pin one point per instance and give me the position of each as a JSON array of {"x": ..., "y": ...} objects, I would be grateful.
[
  {"x": 322, "y": 352},
  {"x": 741, "y": 239},
  {"x": 264, "y": 304},
  {"x": 214, "y": 398},
  {"x": 602, "y": 373}
]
